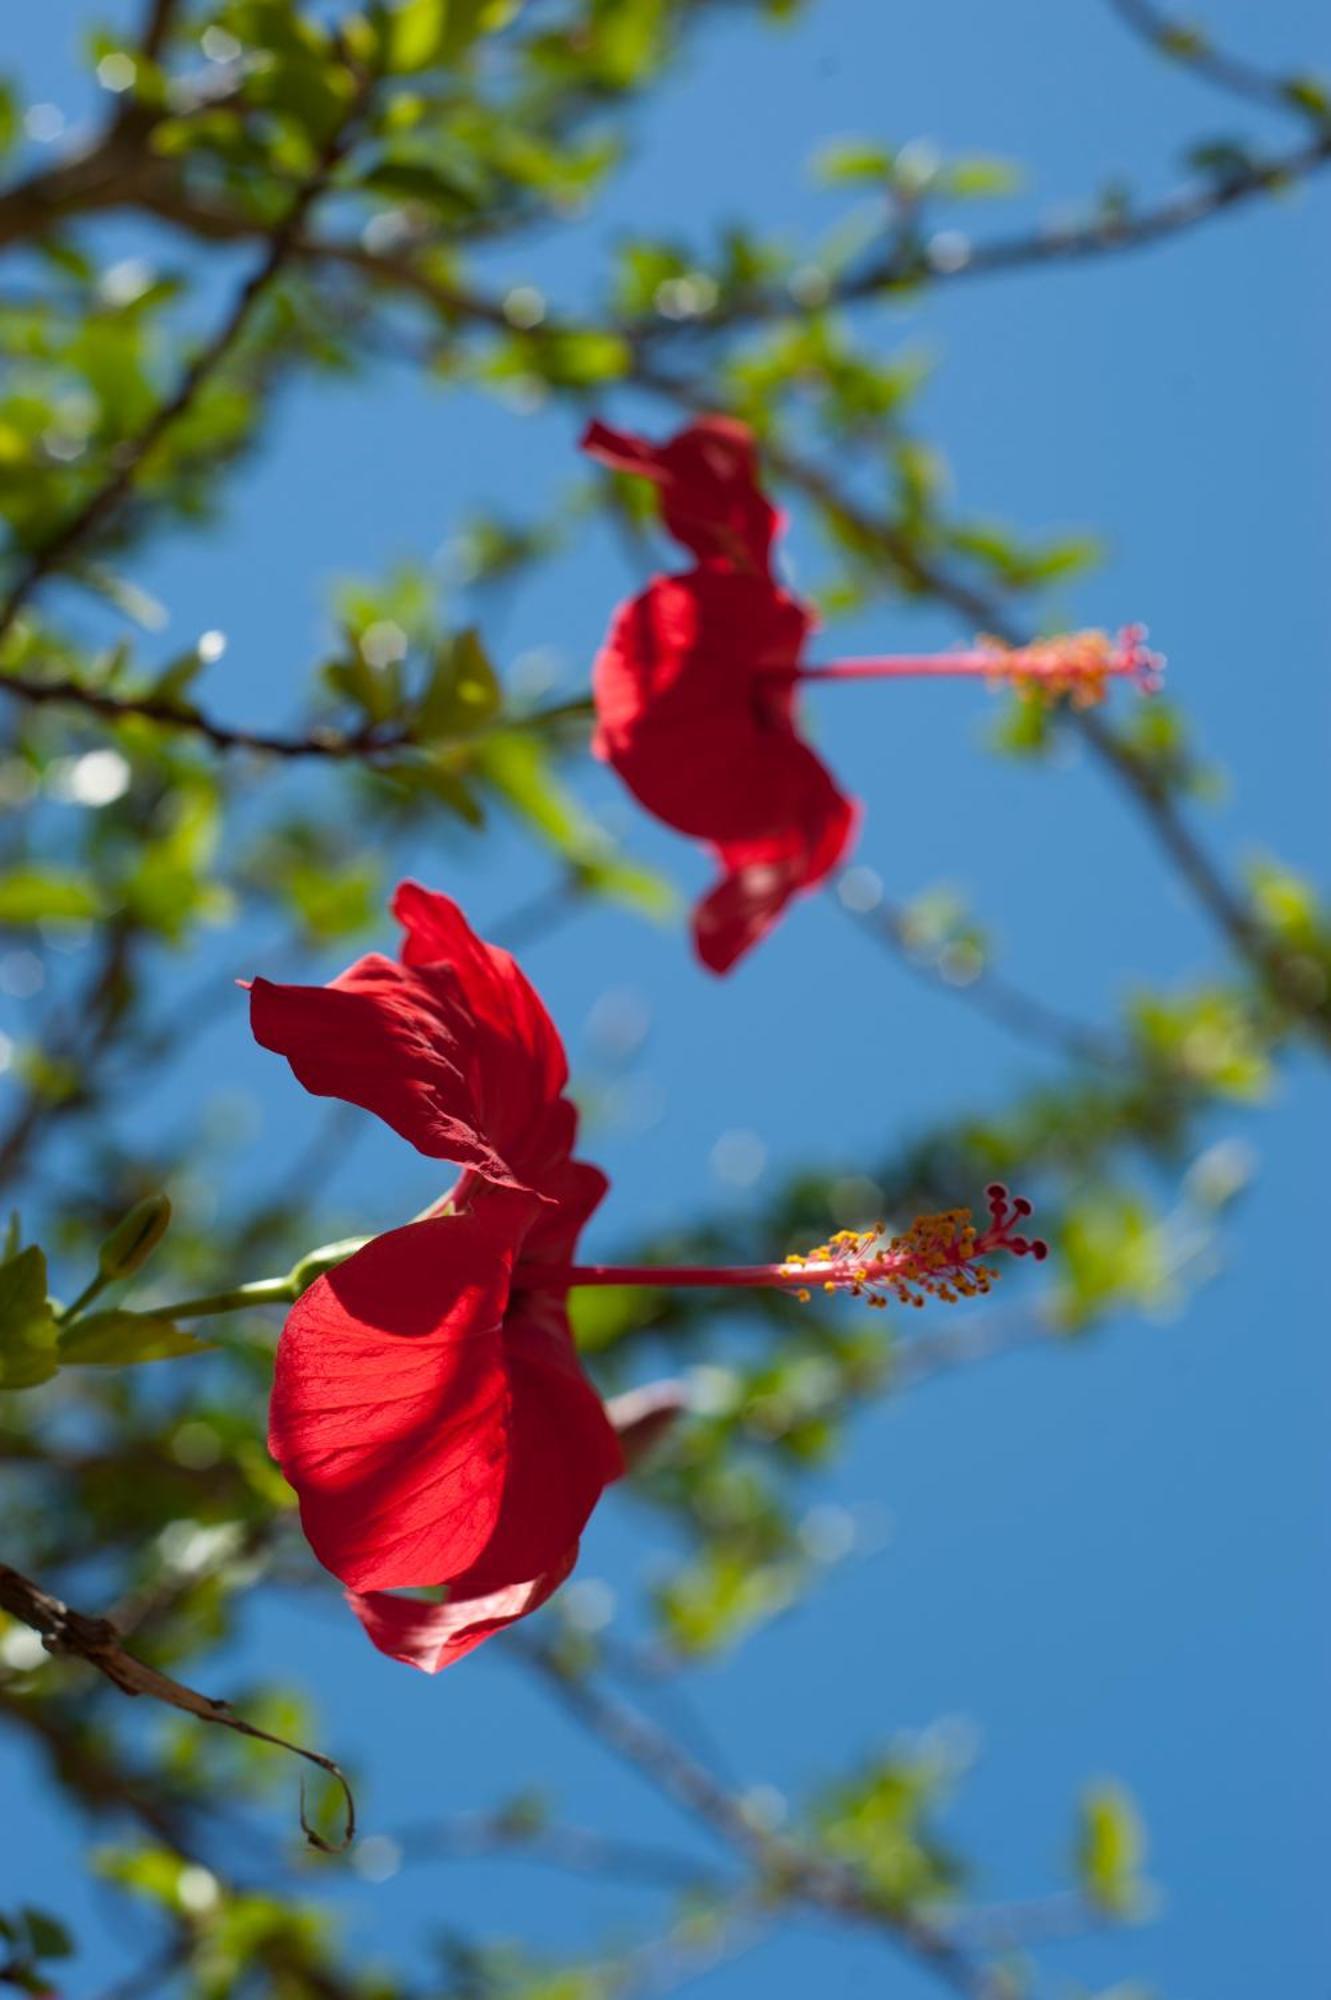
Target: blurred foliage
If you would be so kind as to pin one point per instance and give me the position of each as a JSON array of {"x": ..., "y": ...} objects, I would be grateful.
[{"x": 152, "y": 846}]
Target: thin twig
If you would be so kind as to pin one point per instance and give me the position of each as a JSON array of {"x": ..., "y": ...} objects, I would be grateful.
[
  {"x": 366, "y": 743},
  {"x": 578, "y": 1849},
  {"x": 1193, "y": 48},
  {"x": 73, "y": 1633},
  {"x": 782, "y": 1864},
  {"x": 82, "y": 525},
  {"x": 157, "y": 27},
  {"x": 91, "y": 183},
  {"x": 1022, "y": 1014}
]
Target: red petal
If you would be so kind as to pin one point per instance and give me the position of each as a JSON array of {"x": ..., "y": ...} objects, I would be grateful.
[
  {"x": 690, "y": 700},
  {"x": 762, "y": 876},
  {"x": 391, "y": 1402},
  {"x": 562, "y": 1451},
  {"x": 521, "y": 1065},
  {"x": 710, "y": 497},
  {"x": 397, "y": 1043},
  {"x": 434, "y": 1636},
  {"x": 696, "y": 716},
  {"x": 452, "y": 1048},
  {"x": 496, "y": 989},
  {"x": 576, "y": 1190}
]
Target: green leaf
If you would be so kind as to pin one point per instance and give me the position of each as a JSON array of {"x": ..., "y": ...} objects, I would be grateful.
[
  {"x": 852, "y": 160},
  {"x": 517, "y": 766},
  {"x": 169, "y": 888},
  {"x": 445, "y": 784},
  {"x": 1111, "y": 1847},
  {"x": 375, "y": 691},
  {"x": 980, "y": 175},
  {"x": 332, "y": 901},
  {"x": 1184, "y": 41},
  {"x": 46, "y": 1937},
  {"x": 1311, "y": 94},
  {"x": 425, "y": 32},
  {"x": 27, "y": 1323},
  {"x": 1227, "y": 162},
  {"x": 122, "y": 1339},
  {"x": 47, "y": 895},
  {"x": 9, "y": 118},
  {"x": 462, "y": 693}
]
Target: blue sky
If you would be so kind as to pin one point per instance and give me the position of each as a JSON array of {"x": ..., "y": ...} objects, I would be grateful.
[{"x": 1107, "y": 1561}]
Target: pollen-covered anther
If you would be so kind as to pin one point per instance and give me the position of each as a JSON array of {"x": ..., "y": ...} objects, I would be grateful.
[
  {"x": 940, "y": 1256},
  {"x": 1077, "y": 667}
]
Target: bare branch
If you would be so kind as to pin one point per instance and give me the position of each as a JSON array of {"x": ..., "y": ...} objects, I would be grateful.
[
  {"x": 787, "y": 1869},
  {"x": 330, "y": 745},
  {"x": 1022, "y": 1014},
  {"x": 101, "y": 504},
  {"x": 157, "y": 27},
  {"x": 323, "y": 743},
  {"x": 1190, "y": 46},
  {"x": 96, "y": 1640},
  {"x": 578, "y": 1849}
]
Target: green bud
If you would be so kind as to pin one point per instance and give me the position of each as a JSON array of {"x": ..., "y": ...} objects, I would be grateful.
[
  {"x": 327, "y": 1258},
  {"x": 133, "y": 1240}
]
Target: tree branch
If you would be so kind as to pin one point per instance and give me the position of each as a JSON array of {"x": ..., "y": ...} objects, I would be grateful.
[
  {"x": 1022, "y": 1014},
  {"x": 158, "y": 24},
  {"x": 323, "y": 743},
  {"x": 786, "y": 1867},
  {"x": 332, "y": 745},
  {"x": 1190, "y": 46},
  {"x": 73, "y": 1633},
  {"x": 578, "y": 1849},
  {"x": 83, "y": 524}
]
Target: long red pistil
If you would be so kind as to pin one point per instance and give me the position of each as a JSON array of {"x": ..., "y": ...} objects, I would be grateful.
[
  {"x": 1079, "y": 664},
  {"x": 940, "y": 1256}
]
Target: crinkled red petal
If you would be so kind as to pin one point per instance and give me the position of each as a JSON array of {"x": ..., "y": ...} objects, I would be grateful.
[
  {"x": 393, "y": 1041},
  {"x": 434, "y": 1636},
  {"x": 761, "y": 878},
  {"x": 452, "y": 1048},
  {"x": 707, "y": 474}
]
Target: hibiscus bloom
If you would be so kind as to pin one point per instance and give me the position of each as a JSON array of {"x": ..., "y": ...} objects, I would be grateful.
[
  {"x": 428, "y": 1406},
  {"x": 695, "y": 686}
]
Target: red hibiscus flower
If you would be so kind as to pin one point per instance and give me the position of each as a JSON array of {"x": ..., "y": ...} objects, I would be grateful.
[
  {"x": 428, "y": 1406},
  {"x": 695, "y": 690},
  {"x": 695, "y": 686}
]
